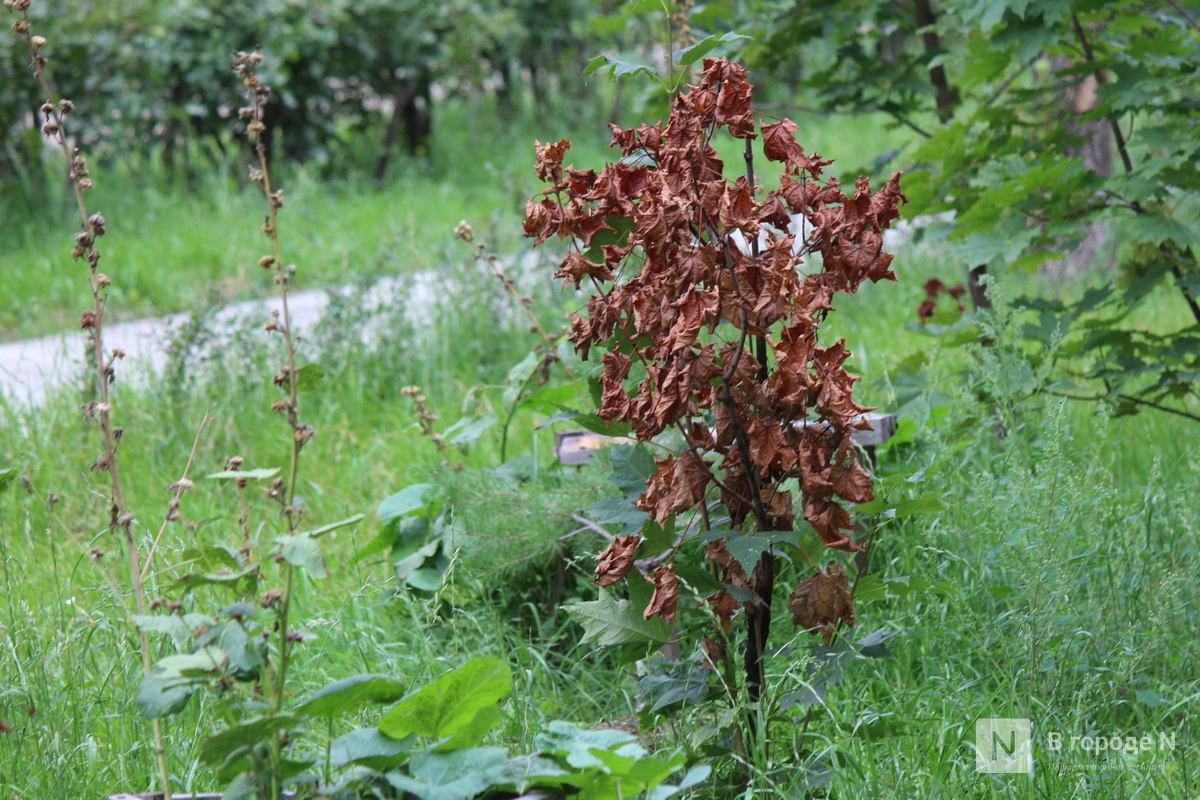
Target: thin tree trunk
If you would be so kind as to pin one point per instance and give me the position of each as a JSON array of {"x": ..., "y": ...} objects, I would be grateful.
[
  {"x": 944, "y": 97},
  {"x": 405, "y": 90}
]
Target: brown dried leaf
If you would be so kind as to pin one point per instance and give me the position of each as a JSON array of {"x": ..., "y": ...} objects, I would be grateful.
[
  {"x": 849, "y": 479},
  {"x": 542, "y": 220},
  {"x": 714, "y": 653},
  {"x": 823, "y": 600},
  {"x": 576, "y": 266},
  {"x": 548, "y": 164},
  {"x": 738, "y": 208},
  {"x": 779, "y": 508},
  {"x": 616, "y": 560},
  {"x": 689, "y": 480},
  {"x": 724, "y": 607},
  {"x": 830, "y": 521},
  {"x": 666, "y": 594},
  {"x": 658, "y": 500},
  {"x": 730, "y": 570}
]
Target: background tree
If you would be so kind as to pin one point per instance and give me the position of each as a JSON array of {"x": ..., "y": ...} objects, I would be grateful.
[{"x": 1004, "y": 153}]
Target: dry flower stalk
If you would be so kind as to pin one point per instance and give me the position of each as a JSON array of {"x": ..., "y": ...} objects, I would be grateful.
[{"x": 92, "y": 227}]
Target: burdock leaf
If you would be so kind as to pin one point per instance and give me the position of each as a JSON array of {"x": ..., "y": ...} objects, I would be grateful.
[
  {"x": 302, "y": 550},
  {"x": 309, "y": 377},
  {"x": 617, "y": 68},
  {"x": 350, "y": 694},
  {"x": 452, "y": 701}
]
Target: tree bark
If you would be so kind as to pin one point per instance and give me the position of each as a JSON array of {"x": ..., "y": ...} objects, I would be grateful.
[{"x": 405, "y": 90}]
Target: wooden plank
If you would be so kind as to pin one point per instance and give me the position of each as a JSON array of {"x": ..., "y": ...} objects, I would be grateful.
[{"x": 575, "y": 448}]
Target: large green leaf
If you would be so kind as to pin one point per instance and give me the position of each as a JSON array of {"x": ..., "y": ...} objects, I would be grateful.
[
  {"x": 617, "y": 511},
  {"x": 617, "y": 68},
  {"x": 369, "y": 747},
  {"x": 690, "y": 55},
  {"x": 746, "y": 548},
  {"x": 309, "y": 377},
  {"x": 459, "y": 775},
  {"x": 179, "y": 628},
  {"x": 301, "y": 550},
  {"x": 522, "y": 772},
  {"x": 665, "y": 683},
  {"x": 443, "y": 707},
  {"x": 473, "y": 733},
  {"x": 157, "y": 697},
  {"x": 576, "y": 747},
  {"x": 172, "y": 681},
  {"x": 608, "y": 621},
  {"x": 351, "y": 694},
  {"x": 419, "y": 497},
  {"x": 518, "y": 376},
  {"x": 694, "y": 777},
  {"x": 247, "y": 576},
  {"x": 249, "y": 474},
  {"x": 467, "y": 430},
  {"x": 632, "y": 466},
  {"x": 410, "y": 559},
  {"x": 317, "y": 533},
  {"x": 246, "y": 654},
  {"x": 221, "y": 747}
]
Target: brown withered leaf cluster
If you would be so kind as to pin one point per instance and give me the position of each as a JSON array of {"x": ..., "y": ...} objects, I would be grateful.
[
  {"x": 933, "y": 287},
  {"x": 678, "y": 306},
  {"x": 823, "y": 600}
]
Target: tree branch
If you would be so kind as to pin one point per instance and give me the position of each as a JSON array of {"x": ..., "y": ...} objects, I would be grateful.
[{"x": 1102, "y": 78}]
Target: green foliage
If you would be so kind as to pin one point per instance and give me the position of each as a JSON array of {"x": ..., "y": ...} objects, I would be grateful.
[
  {"x": 450, "y": 703},
  {"x": 1006, "y": 96},
  {"x": 451, "y": 716},
  {"x": 609, "y": 621},
  {"x": 158, "y": 71}
]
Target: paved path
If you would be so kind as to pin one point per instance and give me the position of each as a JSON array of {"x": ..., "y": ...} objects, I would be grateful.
[{"x": 30, "y": 368}]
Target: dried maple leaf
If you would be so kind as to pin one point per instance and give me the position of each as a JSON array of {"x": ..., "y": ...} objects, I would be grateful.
[
  {"x": 576, "y": 266},
  {"x": 548, "y": 165},
  {"x": 666, "y": 594},
  {"x": 714, "y": 653},
  {"x": 823, "y": 600},
  {"x": 657, "y": 500},
  {"x": 830, "y": 521},
  {"x": 616, "y": 560},
  {"x": 733, "y": 98},
  {"x": 724, "y": 607},
  {"x": 778, "y": 505},
  {"x": 689, "y": 480},
  {"x": 731, "y": 571}
]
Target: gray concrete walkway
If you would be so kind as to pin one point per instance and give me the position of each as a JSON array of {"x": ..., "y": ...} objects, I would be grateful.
[{"x": 32, "y": 367}]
